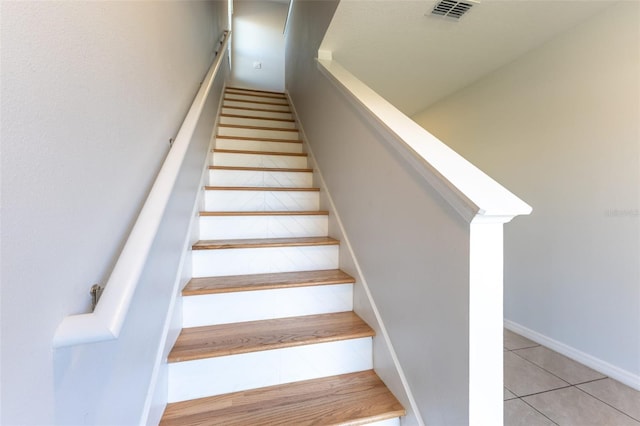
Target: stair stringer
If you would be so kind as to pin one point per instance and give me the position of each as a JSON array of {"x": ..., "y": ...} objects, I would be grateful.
[
  {"x": 156, "y": 400},
  {"x": 385, "y": 361}
]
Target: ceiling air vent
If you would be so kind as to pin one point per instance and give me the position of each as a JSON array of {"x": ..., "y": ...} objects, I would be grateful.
[{"x": 452, "y": 9}]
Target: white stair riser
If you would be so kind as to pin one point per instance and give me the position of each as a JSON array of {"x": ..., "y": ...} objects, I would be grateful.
[
  {"x": 238, "y": 144},
  {"x": 259, "y": 160},
  {"x": 241, "y": 261},
  {"x": 258, "y": 133},
  {"x": 220, "y": 375},
  {"x": 230, "y": 227},
  {"x": 389, "y": 422},
  {"x": 242, "y": 104},
  {"x": 241, "y": 121},
  {"x": 270, "y": 114},
  {"x": 221, "y": 177},
  {"x": 226, "y": 308},
  {"x": 278, "y": 100},
  {"x": 258, "y": 201}
]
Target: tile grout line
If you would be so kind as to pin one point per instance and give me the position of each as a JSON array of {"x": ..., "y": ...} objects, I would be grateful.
[
  {"x": 542, "y": 368},
  {"x": 525, "y": 347},
  {"x": 564, "y": 387},
  {"x": 567, "y": 387},
  {"x": 591, "y": 381},
  {"x": 521, "y": 398},
  {"x": 514, "y": 394},
  {"x": 604, "y": 402},
  {"x": 545, "y": 391},
  {"x": 538, "y": 411}
]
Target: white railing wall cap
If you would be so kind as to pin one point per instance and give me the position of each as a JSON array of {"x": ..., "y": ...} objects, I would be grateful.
[
  {"x": 107, "y": 319},
  {"x": 473, "y": 194}
]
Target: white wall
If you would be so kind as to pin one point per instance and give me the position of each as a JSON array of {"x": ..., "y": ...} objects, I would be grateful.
[
  {"x": 410, "y": 244},
  {"x": 560, "y": 127},
  {"x": 258, "y": 37},
  {"x": 91, "y": 94}
]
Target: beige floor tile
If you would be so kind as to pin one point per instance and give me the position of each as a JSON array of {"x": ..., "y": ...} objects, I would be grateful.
[
  {"x": 563, "y": 367},
  {"x": 573, "y": 407},
  {"x": 525, "y": 378},
  {"x": 517, "y": 413},
  {"x": 515, "y": 341},
  {"x": 616, "y": 394},
  {"x": 508, "y": 394}
]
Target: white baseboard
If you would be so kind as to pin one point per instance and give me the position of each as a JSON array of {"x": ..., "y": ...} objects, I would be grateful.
[{"x": 616, "y": 373}]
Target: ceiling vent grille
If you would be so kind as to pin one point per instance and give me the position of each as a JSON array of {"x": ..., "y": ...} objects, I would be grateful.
[{"x": 451, "y": 8}]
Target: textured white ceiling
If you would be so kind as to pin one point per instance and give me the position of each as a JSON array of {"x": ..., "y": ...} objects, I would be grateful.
[{"x": 414, "y": 60}]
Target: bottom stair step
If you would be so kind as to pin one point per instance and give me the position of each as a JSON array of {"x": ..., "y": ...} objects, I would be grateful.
[{"x": 356, "y": 398}]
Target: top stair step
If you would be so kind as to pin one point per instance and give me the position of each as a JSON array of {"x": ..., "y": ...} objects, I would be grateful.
[
  {"x": 262, "y": 95},
  {"x": 347, "y": 399},
  {"x": 264, "y": 92}
]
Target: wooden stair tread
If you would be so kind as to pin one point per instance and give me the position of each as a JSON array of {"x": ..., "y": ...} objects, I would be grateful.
[
  {"x": 274, "y": 97},
  {"x": 261, "y": 169},
  {"x": 264, "y": 242},
  {"x": 266, "y": 213},
  {"x": 228, "y": 284},
  {"x": 244, "y": 89},
  {"x": 241, "y": 151},
  {"x": 242, "y": 126},
  {"x": 259, "y": 188},
  {"x": 253, "y": 336},
  {"x": 242, "y": 108},
  {"x": 258, "y": 138},
  {"x": 252, "y": 117},
  {"x": 347, "y": 399},
  {"x": 254, "y": 94},
  {"x": 251, "y": 101}
]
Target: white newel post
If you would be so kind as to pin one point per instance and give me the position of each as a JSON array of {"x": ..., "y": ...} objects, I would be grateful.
[{"x": 485, "y": 321}]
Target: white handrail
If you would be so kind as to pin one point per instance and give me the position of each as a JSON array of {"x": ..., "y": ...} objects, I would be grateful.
[
  {"x": 106, "y": 321},
  {"x": 473, "y": 194}
]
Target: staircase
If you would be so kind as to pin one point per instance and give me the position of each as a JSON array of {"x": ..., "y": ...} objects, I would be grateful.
[{"x": 269, "y": 334}]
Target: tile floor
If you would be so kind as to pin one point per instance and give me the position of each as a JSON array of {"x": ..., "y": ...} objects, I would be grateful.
[{"x": 542, "y": 387}]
